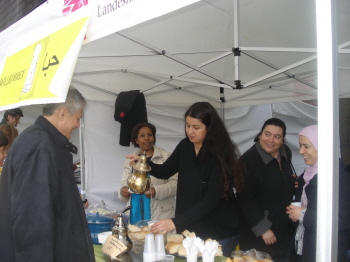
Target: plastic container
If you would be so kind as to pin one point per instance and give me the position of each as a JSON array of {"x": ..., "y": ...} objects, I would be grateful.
[
  {"x": 102, "y": 237},
  {"x": 98, "y": 224}
]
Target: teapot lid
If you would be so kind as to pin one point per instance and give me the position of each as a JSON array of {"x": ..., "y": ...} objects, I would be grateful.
[{"x": 142, "y": 165}]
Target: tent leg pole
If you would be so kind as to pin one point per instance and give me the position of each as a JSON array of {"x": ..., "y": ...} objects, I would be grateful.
[
  {"x": 82, "y": 161},
  {"x": 222, "y": 104}
]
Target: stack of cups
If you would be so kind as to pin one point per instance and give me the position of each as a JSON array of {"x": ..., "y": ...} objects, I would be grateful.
[
  {"x": 154, "y": 248},
  {"x": 160, "y": 250},
  {"x": 149, "y": 252}
]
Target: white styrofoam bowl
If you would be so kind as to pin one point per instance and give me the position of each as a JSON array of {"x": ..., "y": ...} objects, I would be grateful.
[{"x": 103, "y": 236}]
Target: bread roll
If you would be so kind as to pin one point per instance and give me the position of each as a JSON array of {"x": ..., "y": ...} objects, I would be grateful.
[
  {"x": 187, "y": 233},
  {"x": 178, "y": 238},
  {"x": 137, "y": 235},
  {"x": 219, "y": 253},
  {"x": 145, "y": 229},
  {"x": 133, "y": 228},
  {"x": 173, "y": 247},
  {"x": 182, "y": 251}
]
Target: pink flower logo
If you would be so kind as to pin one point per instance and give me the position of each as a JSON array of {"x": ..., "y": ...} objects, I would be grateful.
[{"x": 72, "y": 5}]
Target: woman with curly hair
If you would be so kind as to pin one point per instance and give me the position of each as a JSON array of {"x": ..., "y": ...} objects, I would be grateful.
[{"x": 10, "y": 131}]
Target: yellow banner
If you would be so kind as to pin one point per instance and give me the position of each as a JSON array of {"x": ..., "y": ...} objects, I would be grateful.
[{"x": 27, "y": 74}]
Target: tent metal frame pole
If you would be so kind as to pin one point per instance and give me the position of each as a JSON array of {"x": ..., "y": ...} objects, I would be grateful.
[
  {"x": 184, "y": 52},
  {"x": 171, "y": 85},
  {"x": 341, "y": 46},
  {"x": 148, "y": 53},
  {"x": 280, "y": 49},
  {"x": 285, "y": 79},
  {"x": 110, "y": 71},
  {"x": 190, "y": 80},
  {"x": 236, "y": 40},
  {"x": 277, "y": 68},
  {"x": 268, "y": 88},
  {"x": 222, "y": 104},
  {"x": 281, "y": 70},
  {"x": 191, "y": 70},
  {"x": 94, "y": 87},
  {"x": 82, "y": 160},
  {"x": 181, "y": 61},
  {"x": 328, "y": 134},
  {"x": 184, "y": 89}
]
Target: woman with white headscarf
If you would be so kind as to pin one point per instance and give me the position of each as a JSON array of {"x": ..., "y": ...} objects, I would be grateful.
[{"x": 306, "y": 215}]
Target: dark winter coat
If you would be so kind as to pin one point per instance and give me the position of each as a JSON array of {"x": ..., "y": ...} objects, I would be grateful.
[
  {"x": 310, "y": 217},
  {"x": 268, "y": 190},
  {"x": 42, "y": 215},
  {"x": 199, "y": 206}
]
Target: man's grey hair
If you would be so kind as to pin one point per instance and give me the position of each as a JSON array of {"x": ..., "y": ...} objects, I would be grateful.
[{"x": 74, "y": 102}]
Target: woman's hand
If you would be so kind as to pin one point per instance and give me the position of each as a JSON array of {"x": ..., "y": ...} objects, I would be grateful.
[
  {"x": 294, "y": 212},
  {"x": 86, "y": 203},
  {"x": 151, "y": 193},
  {"x": 269, "y": 237},
  {"x": 133, "y": 158},
  {"x": 296, "y": 185},
  {"x": 162, "y": 227},
  {"x": 124, "y": 191}
]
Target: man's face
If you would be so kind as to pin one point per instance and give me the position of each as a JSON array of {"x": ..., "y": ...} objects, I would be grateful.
[
  {"x": 70, "y": 122},
  {"x": 13, "y": 120}
]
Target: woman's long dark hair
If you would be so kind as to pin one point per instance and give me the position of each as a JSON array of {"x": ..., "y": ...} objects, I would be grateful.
[
  {"x": 3, "y": 139},
  {"x": 218, "y": 142}
]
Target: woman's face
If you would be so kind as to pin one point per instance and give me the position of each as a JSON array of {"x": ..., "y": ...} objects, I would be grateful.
[
  {"x": 145, "y": 139},
  {"x": 3, "y": 153},
  {"x": 271, "y": 139},
  {"x": 195, "y": 130},
  {"x": 308, "y": 151}
]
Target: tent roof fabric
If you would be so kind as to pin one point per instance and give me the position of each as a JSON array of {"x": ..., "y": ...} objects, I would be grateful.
[{"x": 188, "y": 55}]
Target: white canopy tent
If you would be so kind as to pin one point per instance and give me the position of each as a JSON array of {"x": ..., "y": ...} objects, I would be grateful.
[{"x": 267, "y": 47}]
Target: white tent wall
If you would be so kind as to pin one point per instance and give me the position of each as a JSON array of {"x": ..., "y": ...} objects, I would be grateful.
[{"x": 104, "y": 157}]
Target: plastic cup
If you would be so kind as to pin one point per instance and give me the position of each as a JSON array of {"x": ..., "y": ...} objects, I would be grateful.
[
  {"x": 168, "y": 258},
  {"x": 149, "y": 252},
  {"x": 297, "y": 204},
  {"x": 151, "y": 222},
  {"x": 160, "y": 250}
]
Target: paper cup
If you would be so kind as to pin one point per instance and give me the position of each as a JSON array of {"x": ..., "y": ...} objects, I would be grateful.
[{"x": 297, "y": 204}]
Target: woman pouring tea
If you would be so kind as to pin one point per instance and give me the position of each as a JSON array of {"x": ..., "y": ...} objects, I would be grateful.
[{"x": 208, "y": 169}]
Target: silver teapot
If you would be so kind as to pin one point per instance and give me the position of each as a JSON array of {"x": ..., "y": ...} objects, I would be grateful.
[
  {"x": 120, "y": 231},
  {"x": 138, "y": 181}
]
